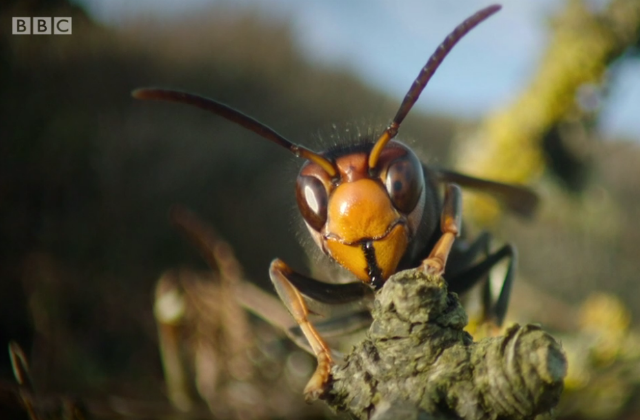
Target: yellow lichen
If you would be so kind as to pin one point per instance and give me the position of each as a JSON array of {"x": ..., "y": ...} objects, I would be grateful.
[{"x": 508, "y": 146}]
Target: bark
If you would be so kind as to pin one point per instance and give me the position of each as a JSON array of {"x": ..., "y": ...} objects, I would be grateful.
[{"x": 417, "y": 362}]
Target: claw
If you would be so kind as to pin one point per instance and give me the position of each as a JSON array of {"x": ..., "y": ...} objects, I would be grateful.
[
  {"x": 433, "y": 266},
  {"x": 317, "y": 385}
]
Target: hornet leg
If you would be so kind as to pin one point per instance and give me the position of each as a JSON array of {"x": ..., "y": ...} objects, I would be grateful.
[
  {"x": 450, "y": 223},
  {"x": 293, "y": 300},
  {"x": 463, "y": 281}
]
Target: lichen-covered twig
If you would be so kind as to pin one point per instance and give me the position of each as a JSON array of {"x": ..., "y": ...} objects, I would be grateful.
[
  {"x": 582, "y": 45},
  {"x": 418, "y": 362}
]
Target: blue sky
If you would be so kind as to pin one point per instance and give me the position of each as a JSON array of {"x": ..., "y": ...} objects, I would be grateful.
[{"x": 386, "y": 42}]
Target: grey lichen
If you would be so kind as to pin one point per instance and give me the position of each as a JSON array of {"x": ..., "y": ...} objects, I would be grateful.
[{"x": 417, "y": 362}]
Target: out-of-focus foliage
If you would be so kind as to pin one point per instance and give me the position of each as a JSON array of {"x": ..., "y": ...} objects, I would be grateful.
[
  {"x": 510, "y": 145},
  {"x": 211, "y": 352},
  {"x": 604, "y": 354}
]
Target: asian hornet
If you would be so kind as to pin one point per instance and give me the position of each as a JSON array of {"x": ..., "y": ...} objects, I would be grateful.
[{"x": 375, "y": 209}]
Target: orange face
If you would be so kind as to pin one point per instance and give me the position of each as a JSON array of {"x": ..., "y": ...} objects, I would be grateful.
[{"x": 364, "y": 221}]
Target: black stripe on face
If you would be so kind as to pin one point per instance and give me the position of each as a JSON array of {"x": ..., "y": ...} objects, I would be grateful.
[{"x": 374, "y": 272}]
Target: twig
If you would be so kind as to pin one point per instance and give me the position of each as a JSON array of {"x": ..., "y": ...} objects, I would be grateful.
[{"x": 418, "y": 362}]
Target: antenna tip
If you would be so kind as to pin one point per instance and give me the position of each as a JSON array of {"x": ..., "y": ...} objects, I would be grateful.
[{"x": 493, "y": 8}]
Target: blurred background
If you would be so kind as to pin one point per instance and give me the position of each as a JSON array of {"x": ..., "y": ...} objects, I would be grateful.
[{"x": 545, "y": 93}]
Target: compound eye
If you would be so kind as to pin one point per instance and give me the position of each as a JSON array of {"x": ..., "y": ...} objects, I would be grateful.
[
  {"x": 405, "y": 183},
  {"x": 312, "y": 201}
]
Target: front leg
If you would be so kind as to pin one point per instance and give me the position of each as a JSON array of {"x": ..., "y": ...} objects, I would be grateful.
[
  {"x": 293, "y": 300},
  {"x": 450, "y": 224}
]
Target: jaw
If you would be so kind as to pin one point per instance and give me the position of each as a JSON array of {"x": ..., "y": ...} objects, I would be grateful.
[{"x": 370, "y": 260}]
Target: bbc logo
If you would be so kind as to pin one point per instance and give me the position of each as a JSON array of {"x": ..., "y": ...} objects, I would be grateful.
[{"x": 41, "y": 26}]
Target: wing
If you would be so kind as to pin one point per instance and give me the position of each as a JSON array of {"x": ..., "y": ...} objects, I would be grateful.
[{"x": 519, "y": 199}]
